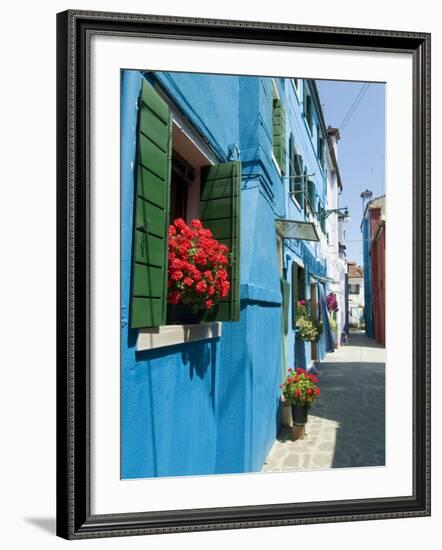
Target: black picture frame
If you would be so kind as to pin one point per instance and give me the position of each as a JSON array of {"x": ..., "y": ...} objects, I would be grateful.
[{"x": 74, "y": 519}]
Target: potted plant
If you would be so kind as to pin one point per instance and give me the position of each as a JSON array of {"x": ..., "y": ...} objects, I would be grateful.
[
  {"x": 300, "y": 390},
  {"x": 319, "y": 326},
  {"x": 334, "y": 329},
  {"x": 198, "y": 267},
  {"x": 306, "y": 329}
]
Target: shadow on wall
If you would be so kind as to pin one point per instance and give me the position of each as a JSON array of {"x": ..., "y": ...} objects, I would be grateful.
[
  {"x": 353, "y": 396},
  {"x": 199, "y": 360},
  {"x": 198, "y": 356}
]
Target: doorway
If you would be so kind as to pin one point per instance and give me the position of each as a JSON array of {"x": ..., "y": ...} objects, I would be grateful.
[{"x": 314, "y": 314}]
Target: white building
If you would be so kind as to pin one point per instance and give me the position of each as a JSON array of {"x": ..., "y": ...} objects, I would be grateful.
[
  {"x": 336, "y": 257},
  {"x": 355, "y": 294}
]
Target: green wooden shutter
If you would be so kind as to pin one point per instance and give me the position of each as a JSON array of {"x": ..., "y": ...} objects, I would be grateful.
[
  {"x": 301, "y": 283},
  {"x": 220, "y": 212},
  {"x": 321, "y": 212},
  {"x": 299, "y": 183},
  {"x": 285, "y": 290},
  {"x": 150, "y": 242},
  {"x": 311, "y": 194},
  {"x": 292, "y": 170},
  {"x": 294, "y": 292},
  {"x": 278, "y": 134}
]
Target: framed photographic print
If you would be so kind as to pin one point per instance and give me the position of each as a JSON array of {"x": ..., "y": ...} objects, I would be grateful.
[{"x": 239, "y": 342}]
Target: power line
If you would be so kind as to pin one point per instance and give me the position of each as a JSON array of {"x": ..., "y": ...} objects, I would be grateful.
[
  {"x": 361, "y": 89},
  {"x": 354, "y": 105}
]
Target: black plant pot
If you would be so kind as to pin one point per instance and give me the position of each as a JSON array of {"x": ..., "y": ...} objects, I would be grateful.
[
  {"x": 183, "y": 314},
  {"x": 299, "y": 414}
]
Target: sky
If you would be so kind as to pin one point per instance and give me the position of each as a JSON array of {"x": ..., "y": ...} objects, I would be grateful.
[{"x": 361, "y": 149}]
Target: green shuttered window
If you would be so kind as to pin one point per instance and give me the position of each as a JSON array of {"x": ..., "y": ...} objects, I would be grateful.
[
  {"x": 298, "y": 289},
  {"x": 219, "y": 211},
  {"x": 296, "y": 174},
  {"x": 278, "y": 133}
]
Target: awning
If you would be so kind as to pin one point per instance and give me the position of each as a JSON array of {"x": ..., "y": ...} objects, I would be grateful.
[
  {"x": 325, "y": 279},
  {"x": 292, "y": 229}
]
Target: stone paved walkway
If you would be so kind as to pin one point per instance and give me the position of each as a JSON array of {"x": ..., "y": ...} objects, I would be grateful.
[{"x": 346, "y": 426}]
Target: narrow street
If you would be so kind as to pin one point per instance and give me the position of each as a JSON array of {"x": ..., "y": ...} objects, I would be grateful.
[{"x": 346, "y": 427}]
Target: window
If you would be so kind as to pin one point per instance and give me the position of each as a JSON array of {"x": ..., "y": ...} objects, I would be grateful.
[
  {"x": 353, "y": 288},
  {"x": 321, "y": 218},
  {"x": 295, "y": 174},
  {"x": 182, "y": 177},
  {"x": 320, "y": 147},
  {"x": 298, "y": 289},
  {"x": 171, "y": 180},
  {"x": 308, "y": 109},
  {"x": 278, "y": 130},
  {"x": 311, "y": 196}
]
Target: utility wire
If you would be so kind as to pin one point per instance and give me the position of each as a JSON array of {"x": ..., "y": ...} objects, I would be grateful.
[
  {"x": 354, "y": 105},
  {"x": 361, "y": 89}
]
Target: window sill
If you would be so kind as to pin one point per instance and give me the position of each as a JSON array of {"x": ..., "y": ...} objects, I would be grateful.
[
  {"x": 278, "y": 168},
  {"x": 295, "y": 202},
  {"x": 170, "y": 335}
]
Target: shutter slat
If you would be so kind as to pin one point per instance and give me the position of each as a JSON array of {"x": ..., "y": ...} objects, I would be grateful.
[
  {"x": 151, "y": 217},
  {"x": 220, "y": 212}
]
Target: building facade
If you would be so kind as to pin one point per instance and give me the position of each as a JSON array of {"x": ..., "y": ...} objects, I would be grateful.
[
  {"x": 356, "y": 294},
  {"x": 373, "y": 225},
  {"x": 377, "y": 255},
  {"x": 239, "y": 153},
  {"x": 336, "y": 255}
]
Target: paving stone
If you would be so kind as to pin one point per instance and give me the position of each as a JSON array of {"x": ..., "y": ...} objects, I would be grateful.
[
  {"x": 291, "y": 461},
  {"x": 322, "y": 460}
]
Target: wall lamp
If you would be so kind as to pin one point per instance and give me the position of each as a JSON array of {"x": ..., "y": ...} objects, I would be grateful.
[{"x": 324, "y": 214}]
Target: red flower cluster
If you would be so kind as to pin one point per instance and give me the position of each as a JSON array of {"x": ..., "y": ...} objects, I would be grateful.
[
  {"x": 198, "y": 266},
  {"x": 300, "y": 387}
]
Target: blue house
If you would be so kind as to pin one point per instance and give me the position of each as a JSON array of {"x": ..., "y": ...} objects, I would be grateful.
[{"x": 246, "y": 155}]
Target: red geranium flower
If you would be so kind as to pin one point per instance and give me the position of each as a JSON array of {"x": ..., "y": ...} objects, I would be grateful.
[
  {"x": 196, "y": 224},
  {"x": 179, "y": 223},
  {"x": 201, "y": 287},
  {"x": 176, "y": 275},
  {"x": 173, "y": 297}
]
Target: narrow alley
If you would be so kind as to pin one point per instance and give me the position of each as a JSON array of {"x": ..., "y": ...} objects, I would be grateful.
[{"x": 346, "y": 426}]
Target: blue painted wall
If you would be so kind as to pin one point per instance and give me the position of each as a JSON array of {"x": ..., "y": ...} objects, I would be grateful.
[{"x": 213, "y": 406}]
